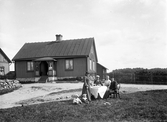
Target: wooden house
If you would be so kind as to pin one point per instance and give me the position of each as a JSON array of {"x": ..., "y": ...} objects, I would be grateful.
[
  {"x": 101, "y": 71},
  {"x": 56, "y": 59},
  {"x": 4, "y": 63}
]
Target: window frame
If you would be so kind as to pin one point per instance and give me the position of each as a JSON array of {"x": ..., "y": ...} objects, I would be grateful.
[
  {"x": 30, "y": 66},
  {"x": 69, "y": 68},
  {"x": 2, "y": 67},
  {"x": 93, "y": 66},
  {"x": 90, "y": 64}
]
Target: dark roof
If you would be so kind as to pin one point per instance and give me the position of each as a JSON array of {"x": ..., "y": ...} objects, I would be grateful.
[
  {"x": 5, "y": 56},
  {"x": 64, "y": 48},
  {"x": 102, "y": 66}
]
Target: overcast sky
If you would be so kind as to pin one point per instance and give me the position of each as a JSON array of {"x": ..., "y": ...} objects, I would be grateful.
[{"x": 127, "y": 33}]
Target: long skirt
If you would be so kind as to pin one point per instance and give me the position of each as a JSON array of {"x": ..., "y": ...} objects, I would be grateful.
[{"x": 86, "y": 90}]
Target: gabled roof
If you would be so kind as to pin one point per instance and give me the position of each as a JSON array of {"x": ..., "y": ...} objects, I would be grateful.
[
  {"x": 5, "y": 56},
  {"x": 63, "y": 48},
  {"x": 102, "y": 66}
]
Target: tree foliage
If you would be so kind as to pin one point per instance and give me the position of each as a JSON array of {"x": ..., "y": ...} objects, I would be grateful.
[{"x": 140, "y": 75}]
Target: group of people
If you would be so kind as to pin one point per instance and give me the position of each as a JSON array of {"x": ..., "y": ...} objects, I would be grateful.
[{"x": 88, "y": 82}]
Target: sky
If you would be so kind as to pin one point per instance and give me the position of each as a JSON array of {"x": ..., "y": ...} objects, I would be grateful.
[{"x": 127, "y": 33}]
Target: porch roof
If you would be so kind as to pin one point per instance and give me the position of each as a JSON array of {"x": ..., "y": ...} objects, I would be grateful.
[{"x": 45, "y": 59}]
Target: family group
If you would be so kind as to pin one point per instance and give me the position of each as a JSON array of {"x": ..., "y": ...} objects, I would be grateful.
[{"x": 90, "y": 86}]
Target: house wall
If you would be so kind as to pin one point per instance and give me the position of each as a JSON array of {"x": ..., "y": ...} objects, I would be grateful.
[
  {"x": 79, "y": 68},
  {"x": 92, "y": 66},
  {"x": 4, "y": 63},
  {"x": 21, "y": 70},
  {"x": 101, "y": 71}
]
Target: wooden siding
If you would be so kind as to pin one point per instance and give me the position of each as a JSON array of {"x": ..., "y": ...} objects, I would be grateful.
[
  {"x": 4, "y": 63},
  {"x": 21, "y": 70},
  {"x": 92, "y": 57},
  {"x": 6, "y": 67},
  {"x": 101, "y": 71},
  {"x": 4, "y": 57},
  {"x": 79, "y": 68}
]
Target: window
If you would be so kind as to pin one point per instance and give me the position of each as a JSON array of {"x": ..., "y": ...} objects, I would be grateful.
[
  {"x": 30, "y": 66},
  {"x": 94, "y": 66},
  {"x": 2, "y": 71},
  {"x": 69, "y": 64},
  {"x": 90, "y": 64}
]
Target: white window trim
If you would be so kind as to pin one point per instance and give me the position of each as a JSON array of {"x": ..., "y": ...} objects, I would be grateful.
[
  {"x": 30, "y": 66},
  {"x": 69, "y": 62},
  {"x": 90, "y": 64}
]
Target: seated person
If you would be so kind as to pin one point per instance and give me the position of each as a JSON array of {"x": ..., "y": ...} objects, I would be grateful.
[
  {"x": 113, "y": 85},
  {"x": 107, "y": 82},
  {"x": 97, "y": 82}
]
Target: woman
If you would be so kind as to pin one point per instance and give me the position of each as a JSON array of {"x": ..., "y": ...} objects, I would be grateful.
[
  {"x": 86, "y": 86},
  {"x": 107, "y": 82},
  {"x": 97, "y": 82}
]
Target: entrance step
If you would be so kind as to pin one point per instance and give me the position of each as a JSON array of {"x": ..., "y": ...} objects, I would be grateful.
[{"x": 43, "y": 79}]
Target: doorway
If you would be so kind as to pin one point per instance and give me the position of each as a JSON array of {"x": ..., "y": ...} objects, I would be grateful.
[{"x": 43, "y": 68}]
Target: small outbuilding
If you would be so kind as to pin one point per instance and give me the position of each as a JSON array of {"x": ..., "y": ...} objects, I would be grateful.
[{"x": 101, "y": 71}]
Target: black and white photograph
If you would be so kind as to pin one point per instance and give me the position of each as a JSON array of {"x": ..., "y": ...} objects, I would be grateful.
[{"x": 83, "y": 60}]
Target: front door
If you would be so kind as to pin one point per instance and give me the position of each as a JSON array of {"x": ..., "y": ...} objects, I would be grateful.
[{"x": 43, "y": 68}]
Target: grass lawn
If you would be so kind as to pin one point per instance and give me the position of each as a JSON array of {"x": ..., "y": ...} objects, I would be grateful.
[{"x": 139, "y": 106}]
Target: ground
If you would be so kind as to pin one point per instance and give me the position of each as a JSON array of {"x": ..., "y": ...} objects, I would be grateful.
[{"x": 39, "y": 93}]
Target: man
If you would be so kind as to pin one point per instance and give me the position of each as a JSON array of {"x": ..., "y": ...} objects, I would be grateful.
[
  {"x": 112, "y": 88},
  {"x": 113, "y": 85}
]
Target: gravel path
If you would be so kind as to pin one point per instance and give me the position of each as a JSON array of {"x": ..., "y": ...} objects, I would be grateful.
[
  {"x": 47, "y": 92},
  {"x": 29, "y": 91}
]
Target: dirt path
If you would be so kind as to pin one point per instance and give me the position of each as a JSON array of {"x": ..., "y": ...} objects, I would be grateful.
[
  {"x": 29, "y": 91},
  {"x": 47, "y": 92}
]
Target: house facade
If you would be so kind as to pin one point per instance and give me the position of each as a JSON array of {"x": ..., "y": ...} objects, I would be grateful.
[
  {"x": 57, "y": 59},
  {"x": 4, "y": 63},
  {"x": 101, "y": 71}
]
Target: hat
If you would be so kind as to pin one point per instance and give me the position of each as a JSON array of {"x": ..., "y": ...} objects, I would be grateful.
[{"x": 97, "y": 76}]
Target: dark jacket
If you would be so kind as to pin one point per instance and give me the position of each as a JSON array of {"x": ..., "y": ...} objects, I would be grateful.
[{"x": 113, "y": 85}]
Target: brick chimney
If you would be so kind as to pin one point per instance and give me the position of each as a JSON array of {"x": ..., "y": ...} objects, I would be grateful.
[{"x": 58, "y": 37}]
